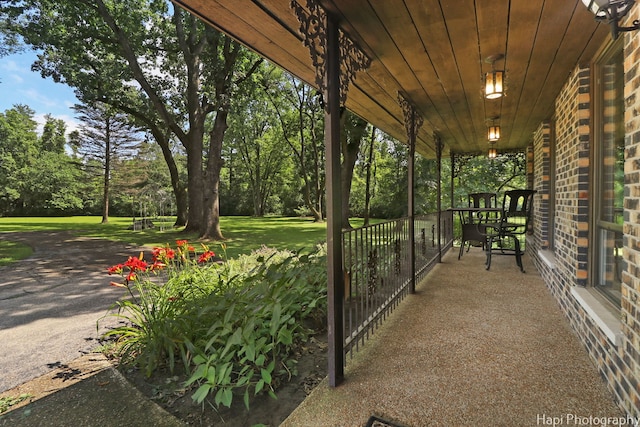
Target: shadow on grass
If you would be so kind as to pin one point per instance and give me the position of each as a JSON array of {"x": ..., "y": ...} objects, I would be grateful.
[{"x": 243, "y": 234}]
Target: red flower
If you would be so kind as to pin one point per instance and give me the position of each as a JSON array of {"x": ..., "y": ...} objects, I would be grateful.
[
  {"x": 181, "y": 242},
  {"x": 136, "y": 264},
  {"x": 117, "y": 269},
  {"x": 163, "y": 254},
  {"x": 206, "y": 256},
  {"x": 157, "y": 253}
]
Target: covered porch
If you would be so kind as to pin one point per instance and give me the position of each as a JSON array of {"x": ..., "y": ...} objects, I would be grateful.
[
  {"x": 470, "y": 347},
  {"x": 508, "y": 348}
]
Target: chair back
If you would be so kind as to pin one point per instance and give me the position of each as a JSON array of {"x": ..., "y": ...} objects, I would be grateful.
[
  {"x": 482, "y": 200},
  {"x": 517, "y": 208}
]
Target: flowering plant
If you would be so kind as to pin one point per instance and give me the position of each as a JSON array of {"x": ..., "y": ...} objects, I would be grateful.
[
  {"x": 236, "y": 326},
  {"x": 158, "y": 296}
]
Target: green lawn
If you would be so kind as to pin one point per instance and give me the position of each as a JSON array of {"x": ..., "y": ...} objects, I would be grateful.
[
  {"x": 12, "y": 251},
  {"x": 243, "y": 234}
]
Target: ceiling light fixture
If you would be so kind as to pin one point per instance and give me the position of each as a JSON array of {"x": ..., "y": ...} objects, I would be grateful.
[
  {"x": 494, "y": 79},
  {"x": 493, "y": 132},
  {"x": 493, "y": 153},
  {"x": 612, "y": 11}
]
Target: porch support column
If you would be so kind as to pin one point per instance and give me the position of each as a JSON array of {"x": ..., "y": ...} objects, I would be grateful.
[
  {"x": 411, "y": 166},
  {"x": 335, "y": 291},
  {"x": 452, "y": 178},
  {"x": 452, "y": 201},
  {"x": 412, "y": 123},
  {"x": 336, "y": 59},
  {"x": 439, "y": 147}
]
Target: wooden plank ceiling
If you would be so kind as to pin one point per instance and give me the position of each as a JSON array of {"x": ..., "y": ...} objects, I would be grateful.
[{"x": 435, "y": 52}]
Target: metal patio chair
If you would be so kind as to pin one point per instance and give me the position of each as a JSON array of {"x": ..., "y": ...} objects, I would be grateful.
[
  {"x": 513, "y": 224},
  {"x": 472, "y": 223}
]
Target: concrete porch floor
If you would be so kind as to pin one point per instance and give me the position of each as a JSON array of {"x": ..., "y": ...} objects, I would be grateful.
[{"x": 470, "y": 348}]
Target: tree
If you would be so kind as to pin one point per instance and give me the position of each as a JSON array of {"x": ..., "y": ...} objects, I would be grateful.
[
  {"x": 18, "y": 149},
  {"x": 479, "y": 173},
  {"x": 8, "y": 39},
  {"x": 51, "y": 186},
  {"x": 184, "y": 72},
  {"x": 36, "y": 175},
  {"x": 53, "y": 135},
  {"x": 300, "y": 116},
  {"x": 353, "y": 131},
  {"x": 390, "y": 200},
  {"x": 106, "y": 136},
  {"x": 256, "y": 137},
  {"x": 368, "y": 166}
]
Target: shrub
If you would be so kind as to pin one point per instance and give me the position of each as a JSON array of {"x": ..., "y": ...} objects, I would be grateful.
[
  {"x": 233, "y": 324},
  {"x": 254, "y": 327}
]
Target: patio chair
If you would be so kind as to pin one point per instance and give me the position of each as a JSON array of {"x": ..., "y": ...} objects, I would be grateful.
[
  {"x": 472, "y": 223},
  {"x": 514, "y": 223}
]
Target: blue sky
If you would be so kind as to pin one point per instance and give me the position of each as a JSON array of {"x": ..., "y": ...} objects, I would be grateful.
[{"x": 20, "y": 85}]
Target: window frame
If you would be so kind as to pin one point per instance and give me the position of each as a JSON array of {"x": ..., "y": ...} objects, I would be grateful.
[{"x": 597, "y": 155}]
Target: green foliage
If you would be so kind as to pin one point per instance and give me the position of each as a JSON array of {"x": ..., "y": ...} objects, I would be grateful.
[
  {"x": 51, "y": 186},
  {"x": 252, "y": 328},
  {"x": 18, "y": 141},
  {"x": 9, "y": 401},
  {"x": 233, "y": 324},
  {"x": 37, "y": 176},
  {"x": 480, "y": 174}
]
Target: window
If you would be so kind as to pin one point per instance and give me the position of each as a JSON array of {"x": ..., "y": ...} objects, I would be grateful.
[{"x": 608, "y": 184}]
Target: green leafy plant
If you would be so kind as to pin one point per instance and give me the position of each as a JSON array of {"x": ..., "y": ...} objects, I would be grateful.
[
  {"x": 254, "y": 327},
  {"x": 234, "y": 324},
  {"x": 9, "y": 401},
  {"x": 156, "y": 311}
]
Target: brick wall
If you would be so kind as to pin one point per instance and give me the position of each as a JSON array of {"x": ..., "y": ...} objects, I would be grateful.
[
  {"x": 630, "y": 310},
  {"x": 565, "y": 265},
  {"x": 571, "y": 179},
  {"x": 542, "y": 183}
]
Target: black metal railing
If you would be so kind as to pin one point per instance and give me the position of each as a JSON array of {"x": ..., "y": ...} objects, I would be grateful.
[{"x": 377, "y": 269}]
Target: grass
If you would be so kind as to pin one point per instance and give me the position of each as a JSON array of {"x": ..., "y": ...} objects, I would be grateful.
[
  {"x": 243, "y": 234},
  {"x": 9, "y": 401},
  {"x": 12, "y": 251}
]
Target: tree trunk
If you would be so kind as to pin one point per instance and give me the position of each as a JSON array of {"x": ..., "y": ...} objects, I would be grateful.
[
  {"x": 353, "y": 129},
  {"x": 195, "y": 185},
  {"x": 179, "y": 190},
  {"x": 367, "y": 191},
  {"x": 210, "y": 229},
  {"x": 107, "y": 172}
]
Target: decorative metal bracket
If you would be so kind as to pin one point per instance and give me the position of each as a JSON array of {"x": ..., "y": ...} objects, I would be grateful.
[
  {"x": 412, "y": 120},
  {"x": 460, "y": 161},
  {"x": 439, "y": 145},
  {"x": 313, "y": 26}
]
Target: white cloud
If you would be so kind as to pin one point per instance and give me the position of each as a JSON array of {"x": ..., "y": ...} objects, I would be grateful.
[
  {"x": 13, "y": 71},
  {"x": 71, "y": 122},
  {"x": 11, "y": 66},
  {"x": 37, "y": 96}
]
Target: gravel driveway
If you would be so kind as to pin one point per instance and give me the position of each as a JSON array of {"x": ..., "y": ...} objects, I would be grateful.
[{"x": 51, "y": 301}]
